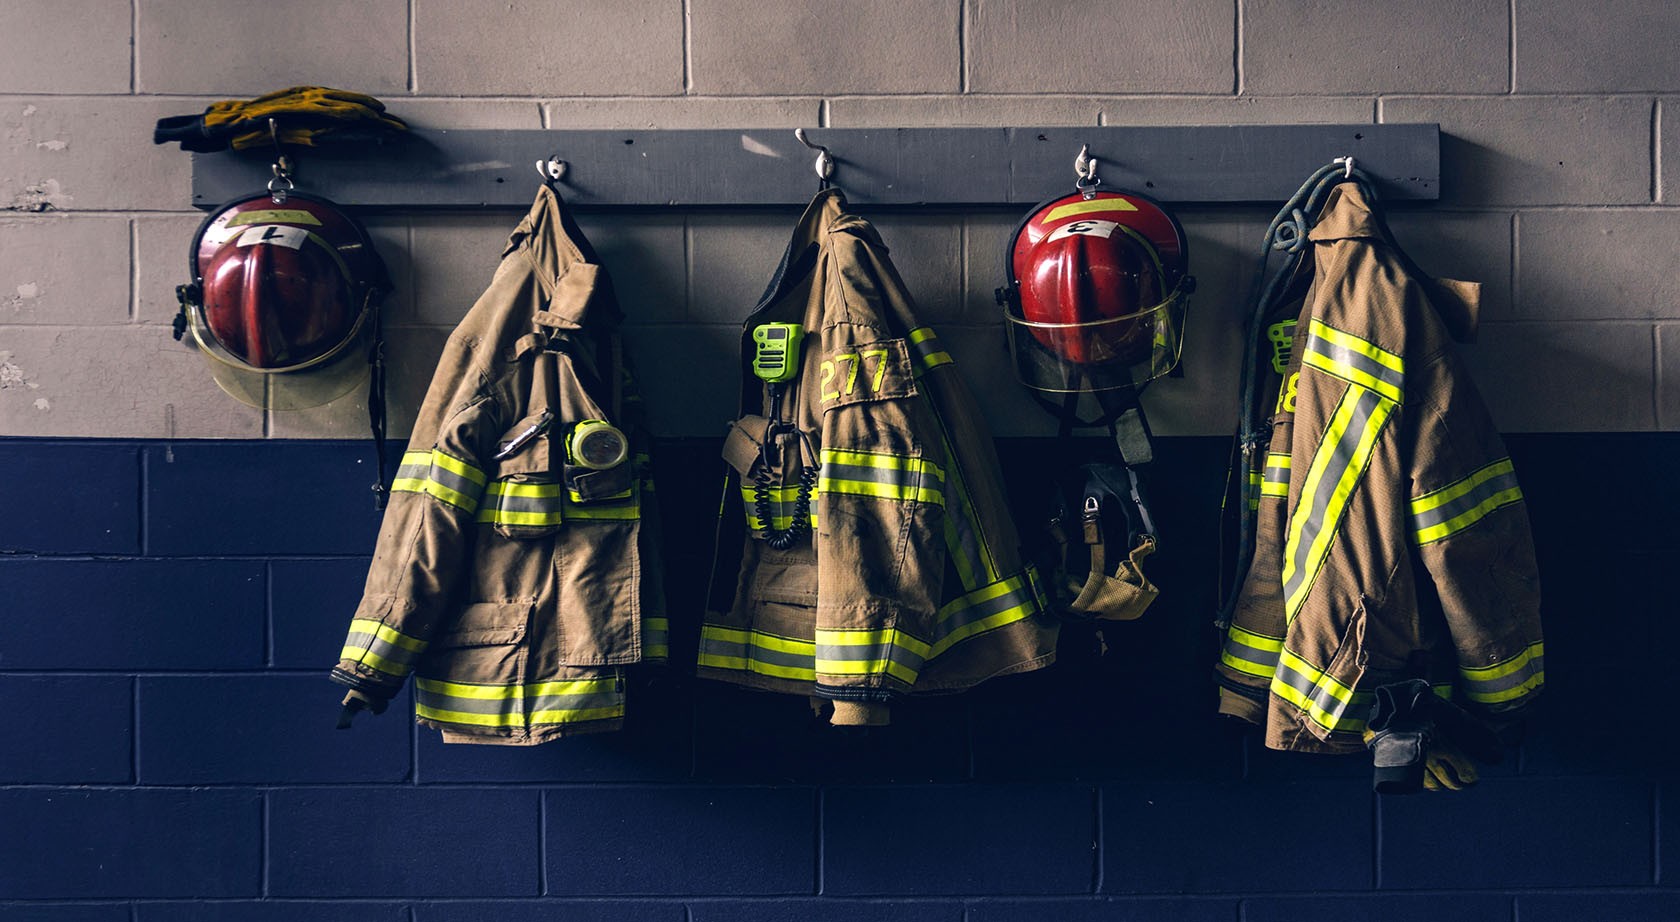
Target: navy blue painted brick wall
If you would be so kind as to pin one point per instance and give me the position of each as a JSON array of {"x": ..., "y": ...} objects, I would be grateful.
[{"x": 164, "y": 634}]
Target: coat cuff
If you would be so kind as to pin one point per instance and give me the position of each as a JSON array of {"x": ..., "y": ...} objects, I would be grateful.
[
  {"x": 860, "y": 714},
  {"x": 1240, "y": 706}
]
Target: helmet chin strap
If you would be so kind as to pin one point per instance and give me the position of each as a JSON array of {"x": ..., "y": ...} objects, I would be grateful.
[{"x": 376, "y": 399}]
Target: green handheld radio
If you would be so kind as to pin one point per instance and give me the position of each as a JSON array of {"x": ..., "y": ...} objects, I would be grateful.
[
  {"x": 776, "y": 359},
  {"x": 776, "y": 362}
]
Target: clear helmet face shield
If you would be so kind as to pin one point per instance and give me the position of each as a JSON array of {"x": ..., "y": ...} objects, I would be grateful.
[
  {"x": 1098, "y": 294},
  {"x": 284, "y": 301}
]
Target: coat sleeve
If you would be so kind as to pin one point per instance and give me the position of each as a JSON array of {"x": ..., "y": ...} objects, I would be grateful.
[
  {"x": 425, "y": 541},
  {"x": 881, "y": 492},
  {"x": 1470, "y": 526}
]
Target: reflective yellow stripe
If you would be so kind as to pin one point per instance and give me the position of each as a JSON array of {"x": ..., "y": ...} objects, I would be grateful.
[
  {"x": 367, "y": 657},
  {"x": 877, "y": 459},
  {"x": 885, "y": 635},
  {"x": 987, "y": 608},
  {"x": 457, "y": 466},
  {"x": 964, "y": 539},
  {"x": 1508, "y": 680},
  {"x": 388, "y": 634},
  {"x": 884, "y": 651},
  {"x": 1329, "y": 703},
  {"x": 1337, "y": 466},
  {"x": 1261, "y": 662},
  {"x": 878, "y": 474},
  {"x": 433, "y": 488},
  {"x": 506, "y": 719},
  {"x": 1368, "y": 349},
  {"x": 1527, "y": 686},
  {"x": 656, "y": 634},
  {"x": 854, "y": 653},
  {"x": 925, "y": 345},
  {"x": 439, "y": 475},
  {"x": 1354, "y": 360},
  {"x": 757, "y": 652},
  {"x": 1462, "y": 504},
  {"x": 1087, "y": 207},
  {"x": 515, "y": 488},
  {"x": 503, "y": 692}
]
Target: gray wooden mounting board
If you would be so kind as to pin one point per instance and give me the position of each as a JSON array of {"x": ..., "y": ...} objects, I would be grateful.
[{"x": 875, "y": 166}]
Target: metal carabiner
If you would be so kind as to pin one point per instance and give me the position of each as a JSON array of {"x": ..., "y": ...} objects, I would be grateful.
[{"x": 281, "y": 184}]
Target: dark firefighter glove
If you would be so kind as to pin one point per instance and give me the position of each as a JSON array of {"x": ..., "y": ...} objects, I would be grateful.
[
  {"x": 357, "y": 701},
  {"x": 1421, "y": 741},
  {"x": 303, "y": 115}
]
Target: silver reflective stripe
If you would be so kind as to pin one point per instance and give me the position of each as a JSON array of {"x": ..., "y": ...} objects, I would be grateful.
[
  {"x": 1001, "y": 603},
  {"x": 871, "y": 652},
  {"x": 712, "y": 645},
  {"x": 962, "y": 536},
  {"x": 440, "y": 475},
  {"x": 1262, "y": 661},
  {"x": 656, "y": 637},
  {"x": 929, "y": 353},
  {"x": 1352, "y": 364},
  {"x": 1325, "y": 709},
  {"x": 1535, "y": 666},
  {"x": 923, "y": 483},
  {"x": 783, "y": 502},
  {"x": 1508, "y": 681},
  {"x": 1318, "y": 514},
  {"x": 389, "y": 652},
  {"x": 1274, "y": 478},
  {"x": 1443, "y": 513},
  {"x": 446, "y": 702}
]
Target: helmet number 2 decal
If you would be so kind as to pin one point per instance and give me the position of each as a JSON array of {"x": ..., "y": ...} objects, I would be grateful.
[
  {"x": 283, "y": 235},
  {"x": 1086, "y": 228}
]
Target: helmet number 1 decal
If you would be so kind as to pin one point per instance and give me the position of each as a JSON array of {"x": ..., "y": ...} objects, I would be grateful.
[
  {"x": 283, "y": 235},
  {"x": 1086, "y": 228}
]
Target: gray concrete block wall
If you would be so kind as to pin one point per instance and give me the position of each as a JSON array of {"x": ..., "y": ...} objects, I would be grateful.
[{"x": 1556, "y": 117}]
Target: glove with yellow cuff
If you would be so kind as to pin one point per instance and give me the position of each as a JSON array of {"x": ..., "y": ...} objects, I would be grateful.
[
  {"x": 1415, "y": 738},
  {"x": 303, "y": 115}
]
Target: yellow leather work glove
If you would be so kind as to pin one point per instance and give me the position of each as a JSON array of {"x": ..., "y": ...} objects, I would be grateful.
[
  {"x": 304, "y": 115},
  {"x": 1447, "y": 768}
]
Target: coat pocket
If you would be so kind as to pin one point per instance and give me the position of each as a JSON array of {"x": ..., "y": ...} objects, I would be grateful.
[
  {"x": 597, "y": 578},
  {"x": 1326, "y": 694},
  {"x": 474, "y": 672},
  {"x": 487, "y": 623},
  {"x": 524, "y": 499}
]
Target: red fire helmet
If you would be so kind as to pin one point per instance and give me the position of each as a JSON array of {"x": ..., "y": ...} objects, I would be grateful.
[
  {"x": 1098, "y": 291},
  {"x": 280, "y": 289}
]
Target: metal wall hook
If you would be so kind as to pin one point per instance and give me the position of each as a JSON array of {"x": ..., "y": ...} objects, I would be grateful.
[
  {"x": 553, "y": 169},
  {"x": 1347, "y": 166},
  {"x": 1085, "y": 169},
  {"x": 282, "y": 183},
  {"x": 825, "y": 160}
]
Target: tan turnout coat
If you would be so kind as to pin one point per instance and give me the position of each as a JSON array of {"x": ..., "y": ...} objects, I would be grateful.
[
  {"x": 517, "y": 590},
  {"x": 1393, "y": 541},
  {"x": 912, "y": 577}
]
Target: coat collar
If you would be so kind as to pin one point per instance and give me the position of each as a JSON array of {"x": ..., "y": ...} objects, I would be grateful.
[{"x": 1346, "y": 215}]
